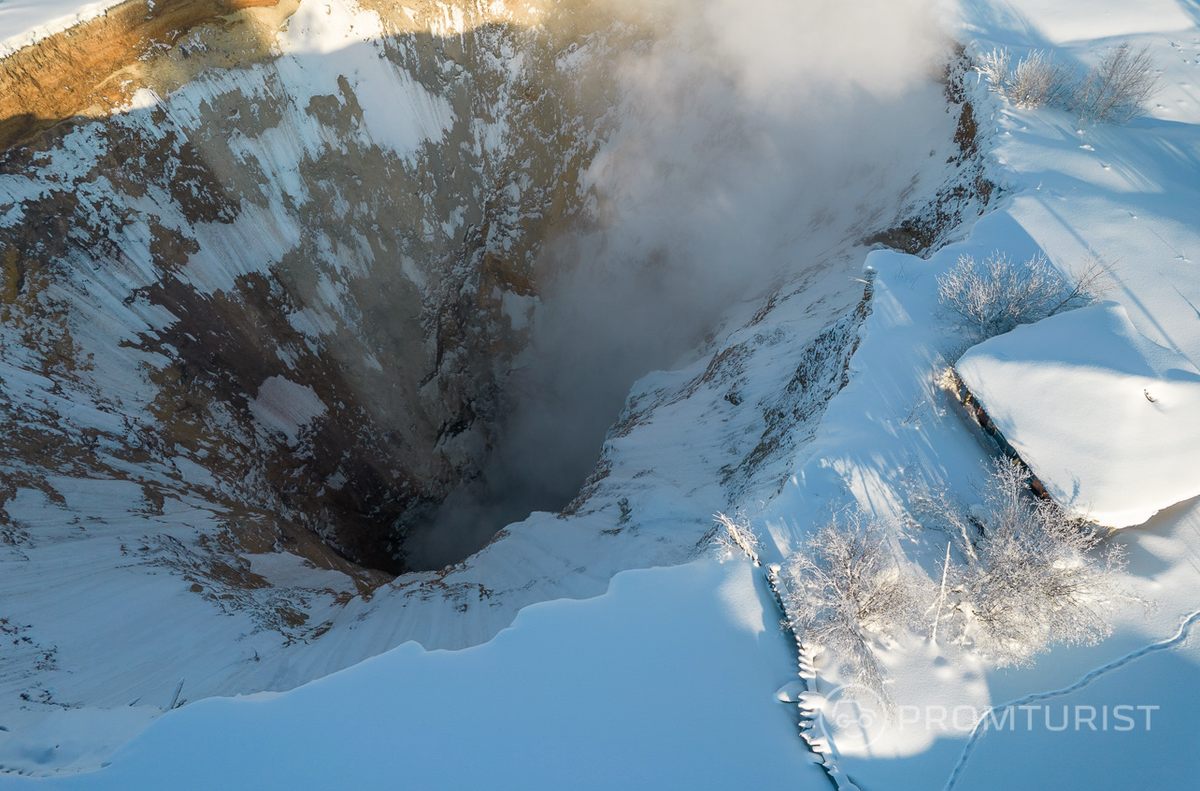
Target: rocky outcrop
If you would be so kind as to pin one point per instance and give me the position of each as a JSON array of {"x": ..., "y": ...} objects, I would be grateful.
[
  {"x": 93, "y": 68},
  {"x": 293, "y": 283}
]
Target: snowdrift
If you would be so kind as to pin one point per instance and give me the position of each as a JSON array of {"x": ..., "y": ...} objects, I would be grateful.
[{"x": 1102, "y": 415}]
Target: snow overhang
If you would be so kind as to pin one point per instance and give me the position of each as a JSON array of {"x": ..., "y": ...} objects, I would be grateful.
[{"x": 1105, "y": 418}]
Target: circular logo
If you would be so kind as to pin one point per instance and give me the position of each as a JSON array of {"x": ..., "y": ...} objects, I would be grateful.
[{"x": 853, "y": 717}]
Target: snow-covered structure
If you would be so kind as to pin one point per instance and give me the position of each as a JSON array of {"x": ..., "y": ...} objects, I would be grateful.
[{"x": 1103, "y": 416}]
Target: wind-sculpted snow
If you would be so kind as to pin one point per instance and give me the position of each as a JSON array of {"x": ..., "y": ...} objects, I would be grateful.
[
  {"x": 980, "y": 728},
  {"x": 1100, "y": 413}
]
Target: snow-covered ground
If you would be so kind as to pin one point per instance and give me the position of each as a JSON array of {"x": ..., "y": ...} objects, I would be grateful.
[
  {"x": 1103, "y": 416},
  {"x": 568, "y": 697},
  {"x": 1125, "y": 194},
  {"x": 668, "y": 679},
  {"x": 22, "y": 22}
]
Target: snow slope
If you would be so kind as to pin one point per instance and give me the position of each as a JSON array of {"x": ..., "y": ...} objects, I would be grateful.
[{"x": 1129, "y": 196}]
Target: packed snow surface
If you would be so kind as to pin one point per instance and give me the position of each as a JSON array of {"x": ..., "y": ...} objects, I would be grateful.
[
  {"x": 1064, "y": 22},
  {"x": 621, "y": 691},
  {"x": 1105, "y": 417}
]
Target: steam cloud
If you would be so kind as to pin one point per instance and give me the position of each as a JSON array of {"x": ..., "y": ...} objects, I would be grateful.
[{"x": 757, "y": 137}]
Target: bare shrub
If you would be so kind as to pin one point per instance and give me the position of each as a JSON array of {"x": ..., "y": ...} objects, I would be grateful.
[
  {"x": 736, "y": 537},
  {"x": 845, "y": 589},
  {"x": 990, "y": 297},
  {"x": 1029, "y": 576},
  {"x": 1023, "y": 576},
  {"x": 1040, "y": 80},
  {"x": 995, "y": 66},
  {"x": 1115, "y": 91},
  {"x": 1118, "y": 88},
  {"x": 1040, "y": 577},
  {"x": 938, "y": 508}
]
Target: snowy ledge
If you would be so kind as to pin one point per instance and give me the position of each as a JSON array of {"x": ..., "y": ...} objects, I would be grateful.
[{"x": 1104, "y": 417}]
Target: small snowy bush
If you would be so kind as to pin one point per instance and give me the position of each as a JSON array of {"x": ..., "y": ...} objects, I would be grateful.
[
  {"x": 1040, "y": 80},
  {"x": 1115, "y": 91},
  {"x": 1118, "y": 88},
  {"x": 846, "y": 589},
  {"x": 990, "y": 297},
  {"x": 736, "y": 537},
  {"x": 1028, "y": 577},
  {"x": 995, "y": 66}
]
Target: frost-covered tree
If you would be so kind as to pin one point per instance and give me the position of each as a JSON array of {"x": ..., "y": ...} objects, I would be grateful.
[
  {"x": 1028, "y": 575},
  {"x": 845, "y": 590},
  {"x": 936, "y": 507},
  {"x": 1118, "y": 88},
  {"x": 995, "y": 66},
  {"x": 992, "y": 296},
  {"x": 734, "y": 536},
  {"x": 1039, "y": 79}
]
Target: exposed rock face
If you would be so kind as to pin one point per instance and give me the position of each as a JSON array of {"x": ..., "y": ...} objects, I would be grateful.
[
  {"x": 264, "y": 290},
  {"x": 360, "y": 225},
  {"x": 91, "y": 69}
]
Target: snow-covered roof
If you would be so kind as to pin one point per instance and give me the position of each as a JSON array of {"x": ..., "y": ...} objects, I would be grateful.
[{"x": 1107, "y": 419}]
